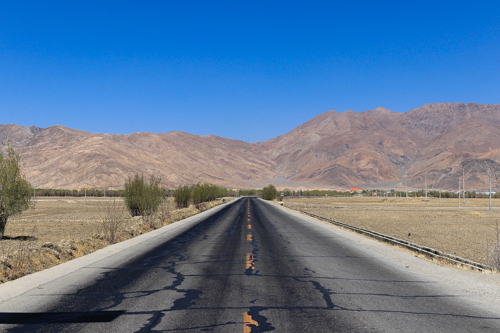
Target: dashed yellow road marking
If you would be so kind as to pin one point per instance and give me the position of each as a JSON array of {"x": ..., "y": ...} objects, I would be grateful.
[
  {"x": 249, "y": 226},
  {"x": 248, "y": 321},
  {"x": 250, "y": 262},
  {"x": 249, "y": 237}
]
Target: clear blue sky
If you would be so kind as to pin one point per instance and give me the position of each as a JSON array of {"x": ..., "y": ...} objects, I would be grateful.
[{"x": 246, "y": 70}]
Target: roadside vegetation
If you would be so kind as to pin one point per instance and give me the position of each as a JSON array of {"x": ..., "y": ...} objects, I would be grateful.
[
  {"x": 269, "y": 192},
  {"x": 90, "y": 192},
  {"x": 251, "y": 191},
  {"x": 182, "y": 196},
  {"x": 198, "y": 194},
  {"x": 15, "y": 190},
  {"x": 143, "y": 198}
]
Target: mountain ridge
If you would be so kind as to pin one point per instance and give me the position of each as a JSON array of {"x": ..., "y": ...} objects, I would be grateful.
[{"x": 431, "y": 144}]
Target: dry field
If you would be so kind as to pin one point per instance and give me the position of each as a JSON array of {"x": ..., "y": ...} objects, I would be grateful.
[
  {"x": 59, "y": 229},
  {"x": 468, "y": 232},
  {"x": 54, "y": 219}
]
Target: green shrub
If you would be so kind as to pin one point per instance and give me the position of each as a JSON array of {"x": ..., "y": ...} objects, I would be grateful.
[
  {"x": 251, "y": 191},
  {"x": 269, "y": 193},
  {"x": 198, "y": 194},
  {"x": 201, "y": 193},
  {"x": 143, "y": 198},
  {"x": 182, "y": 196}
]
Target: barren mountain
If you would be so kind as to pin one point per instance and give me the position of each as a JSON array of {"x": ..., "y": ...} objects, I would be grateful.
[
  {"x": 345, "y": 148},
  {"x": 60, "y": 157},
  {"x": 433, "y": 144}
]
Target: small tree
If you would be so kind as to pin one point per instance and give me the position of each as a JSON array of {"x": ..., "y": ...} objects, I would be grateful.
[
  {"x": 15, "y": 190},
  {"x": 142, "y": 198},
  {"x": 269, "y": 193}
]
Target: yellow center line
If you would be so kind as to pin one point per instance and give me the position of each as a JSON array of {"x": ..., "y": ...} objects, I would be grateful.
[
  {"x": 248, "y": 321},
  {"x": 249, "y": 261},
  {"x": 249, "y": 226},
  {"x": 249, "y": 237}
]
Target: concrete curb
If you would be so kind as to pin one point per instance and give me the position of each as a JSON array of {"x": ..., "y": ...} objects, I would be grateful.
[{"x": 427, "y": 251}]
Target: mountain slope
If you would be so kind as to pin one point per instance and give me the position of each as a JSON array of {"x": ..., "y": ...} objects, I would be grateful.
[
  {"x": 433, "y": 144},
  {"x": 372, "y": 144},
  {"x": 59, "y": 157}
]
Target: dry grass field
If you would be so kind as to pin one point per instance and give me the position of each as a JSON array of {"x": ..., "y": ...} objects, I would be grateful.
[
  {"x": 469, "y": 231},
  {"x": 53, "y": 219},
  {"x": 59, "y": 229}
]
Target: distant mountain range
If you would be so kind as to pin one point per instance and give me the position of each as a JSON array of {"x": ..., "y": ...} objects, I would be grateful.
[{"x": 434, "y": 145}]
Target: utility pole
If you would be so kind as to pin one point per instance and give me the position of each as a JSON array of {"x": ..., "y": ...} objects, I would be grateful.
[
  {"x": 34, "y": 194},
  {"x": 463, "y": 187},
  {"x": 104, "y": 194},
  {"x": 425, "y": 188},
  {"x": 490, "y": 192},
  {"x": 439, "y": 196},
  {"x": 406, "y": 190},
  {"x": 85, "y": 196},
  {"x": 458, "y": 192}
]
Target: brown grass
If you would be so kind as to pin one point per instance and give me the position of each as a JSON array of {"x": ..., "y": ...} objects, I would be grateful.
[
  {"x": 60, "y": 229},
  {"x": 468, "y": 232}
]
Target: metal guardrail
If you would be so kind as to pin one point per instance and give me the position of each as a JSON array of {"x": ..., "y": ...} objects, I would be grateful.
[{"x": 427, "y": 251}]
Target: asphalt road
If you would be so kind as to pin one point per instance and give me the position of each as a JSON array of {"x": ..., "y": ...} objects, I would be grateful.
[{"x": 249, "y": 267}]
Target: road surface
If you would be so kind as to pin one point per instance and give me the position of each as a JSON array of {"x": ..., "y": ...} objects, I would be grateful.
[{"x": 250, "y": 266}]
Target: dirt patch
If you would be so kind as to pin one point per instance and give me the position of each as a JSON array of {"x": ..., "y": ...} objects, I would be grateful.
[{"x": 468, "y": 232}]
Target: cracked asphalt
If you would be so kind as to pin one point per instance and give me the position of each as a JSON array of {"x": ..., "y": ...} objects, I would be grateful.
[{"x": 249, "y": 266}]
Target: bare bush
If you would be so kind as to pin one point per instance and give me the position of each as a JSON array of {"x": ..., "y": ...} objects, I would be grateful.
[
  {"x": 493, "y": 253},
  {"x": 149, "y": 218},
  {"x": 164, "y": 213},
  {"x": 112, "y": 220}
]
